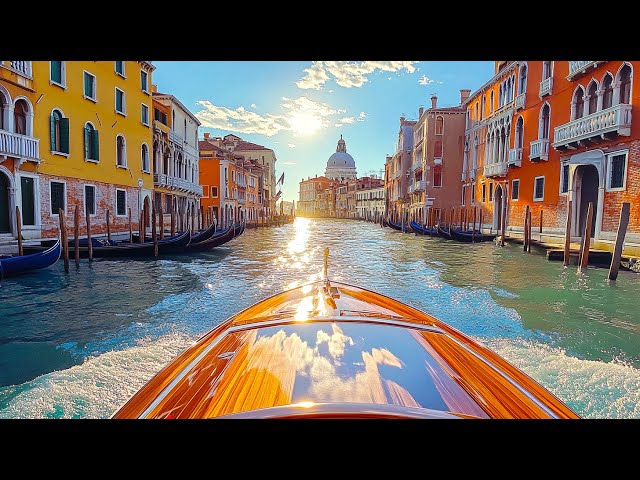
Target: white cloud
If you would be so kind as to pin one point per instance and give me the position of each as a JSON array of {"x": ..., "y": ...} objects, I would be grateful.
[
  {"x": 330, "y": 91},
  {"x": 389, "y": 78},
  {"x": 424, "y": 80},
  {"x": 253, "y": 105},
  {"x": 362, "y": 116},
  {"x": 347, "y": 120},
  {"x": 291, "y": 145},
  {"x": 349, "y": 74},
  {"x": 289, "y": 162}
]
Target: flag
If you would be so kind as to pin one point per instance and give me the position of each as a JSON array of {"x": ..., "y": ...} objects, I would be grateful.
[
  {"x": 275, "y": 199},
  {"x": 281, "y": 181}
]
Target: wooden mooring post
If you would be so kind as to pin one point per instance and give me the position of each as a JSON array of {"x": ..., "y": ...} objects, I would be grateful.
[
  {"x": 19, "y": 230},
  {"x": 154, "y": 233},
  {"x": 541, "y": 224},
  {"x": 567, "y": 237},
  {"x": 89, "y": 245},
  {"x": 65, "y": 240},
  {"x": 130, "y": 227},
  {"x": 526, "y": 228},
  {"x": 503, "y": 219},
  {"x": 530, "y": 224},
  {"x": 108, "y": 225},
  {"x": 161, "y": 215},
  {"x": 617, "y": 251},
  {"x": 473, "y": 231},
  {"x": 586, "y": 239},
  {"x": 76, "y": 234},
  {"x": 173, "y": 219}
]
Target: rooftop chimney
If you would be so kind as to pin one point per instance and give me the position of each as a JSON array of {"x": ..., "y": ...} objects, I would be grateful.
[
  {"x": 401, "y": 120},
  {"x": 434, "y": 100},
  {"x": 154, "y": 88},
  {"x": 464, "y": 94},
  {"x": 420, "y": 110},
  {"x": 206, "y": 135}
]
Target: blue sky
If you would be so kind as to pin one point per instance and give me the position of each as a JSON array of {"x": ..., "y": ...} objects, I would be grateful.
[{"x": 300, "y": 108}]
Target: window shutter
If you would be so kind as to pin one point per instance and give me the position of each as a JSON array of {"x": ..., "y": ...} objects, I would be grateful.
[
  {"x": 64, "y": 135},
  {"x": 56, "y": 72},
  {"x": 95, "y": 144},
  {"x": 87, "y": 85},
  {"x": 54, "y": 147},
  {"x": 87, "y": 150}
]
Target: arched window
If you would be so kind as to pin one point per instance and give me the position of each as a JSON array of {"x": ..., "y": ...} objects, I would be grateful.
[
  {"x": 439, "y": 125},
  {"x": 578, "y": 103},
  {"x": 59, "y": 132},
  {"x": 625, "y": 84},
  {"x": 491, "y": 101},
  {"x": 522, "y": 87},
  {"x": 545, "y": 114},
  {"x": 155, "y": 158},
  {"x": 3, "y": 109},
  {"x": 91, "y": 145},
  {"x": 519, "y": 139},
  {"x": 501, "y": 95},
  {"x": 121, "y": 151},
  {"x": 145, "y": 157},
  {"x": 20, "y": 110},
  {"x": 592, "y": 93},
  {"x": 546, "y": 69},
  {"x": 474, "y": 158},
  {"x": 607, "y": 91},
  {"x": 437, "y": 175},
  {"x": 483, "y": 106},
  {"x": 476, "y": 116}
]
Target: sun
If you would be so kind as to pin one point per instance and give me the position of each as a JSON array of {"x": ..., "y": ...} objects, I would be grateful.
[{"x": 304, "y": 123}]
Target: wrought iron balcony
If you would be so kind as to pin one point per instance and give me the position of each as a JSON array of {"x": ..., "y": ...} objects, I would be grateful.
[
  {"x": 515, "y": 157},
  {"x": 578, "y": 68},
  {"x": 539, "y": 150},
  {"x": 22, "y": 67},
  {"x": 593, "y": 128},
  {"x": 19, "y": 146},
  {"x": 546, "y": 86},
  {"x": 495, "y": 169},
  {"x": 175, "y": 183},
  {"x": 520, "y": 99}
]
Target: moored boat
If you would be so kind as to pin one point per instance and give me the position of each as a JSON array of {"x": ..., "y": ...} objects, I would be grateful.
[
  {"x": 444, "y": 232},
  {"x": 420, "y": 230},
  {"x": 19, "y": 264},
  {"x": 220, "y": 238},
  {"x": 476, "y": 236},
  {"x": 395, "y": 226},
  {"x": 328, "y": 350}
]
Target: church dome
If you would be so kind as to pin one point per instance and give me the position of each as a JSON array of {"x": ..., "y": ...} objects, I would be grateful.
[
  {"x": 341, "y": 160},
  {"x": 341, "y": 165}
]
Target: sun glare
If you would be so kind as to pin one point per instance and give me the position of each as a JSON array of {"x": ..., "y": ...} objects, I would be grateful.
[{"x": 304, "y": 123}]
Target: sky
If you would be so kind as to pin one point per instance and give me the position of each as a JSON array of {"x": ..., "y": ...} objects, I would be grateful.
[{"x": 300, "y": 108}]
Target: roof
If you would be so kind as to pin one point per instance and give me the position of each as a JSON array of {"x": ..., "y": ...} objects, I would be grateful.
[
  {"x": 177, "y": 102},
  {"x": 250, "y": 146}
]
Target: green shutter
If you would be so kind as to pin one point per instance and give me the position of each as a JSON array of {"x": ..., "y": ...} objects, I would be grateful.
[
  {"x": 95, "y": 145},
  {"x": 53, "y": 134},
  {"x": 56, "y": 72},
  {"x": 64, "y": 135},
  {"x": 87, "y": 139},
  {"x": 87, "y": 86}
]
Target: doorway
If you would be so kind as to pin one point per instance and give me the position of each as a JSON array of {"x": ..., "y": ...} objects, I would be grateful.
[
  {"x": 587, "y": 183},
  {"x": 5, "y": 215},
  {"x": 497, "y": 207}
]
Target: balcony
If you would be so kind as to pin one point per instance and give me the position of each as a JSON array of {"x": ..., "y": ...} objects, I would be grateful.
[
  {"x": 19, "y": 146},
  {"x": 515, "y": 157},
  {"x": 175, "y": 183},
  {"x": 578, "y": 68},
  {"x": 22, "y": 67},
  {"x": 176, "y": 138},
  {"x": 417, "y": 165},
  {"x": 418, "y": 186},
  {"x": 594, "y": 128},
  {"x": 539, "y": 150},
  {"x": 437, "y": 160},
  {"x": 495, "y": 170},
  {"x": 545, "y": 86},
  {"x": 520, "y": 101}
]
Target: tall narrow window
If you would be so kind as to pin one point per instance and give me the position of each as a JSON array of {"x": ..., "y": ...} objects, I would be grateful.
[
  {"x": 27, "y": 190},
  {"x": 121, "y": 152},
  {"x": 491, "y": 192},
  {"x": 484, "y": 192},
  {"x": 607, "y": 91},
  {"x": 546, "y": 69},
  {"x": 519, "y": 139},
  {"x": 57, "y": 73},
  {"x": 437, "y": 176},
  {"x": 592, "y": 92},
  {"x": 515, "y": 189},
  {"x": 89, "y": 86},
  {"x": 90, "y": 199},
  {"x": 522, "y": 87},
  {"x": 491, "y": 101},
  {"x": 120, "y": 67},
  {"x": 439, "y": 125},
  {"x": 121, "y": 202},
  {"x": 145, "y": 158},
  {"x": 625, "y": 84},
  {"x": 20, "y": 110},
  {"x": 91, "y": 150},
  {"x": 120, "y": 102},
  {"x": 617, "y": 170},
  {"x": 564, "y": 178},
  {"x": 545, "y": 113},
  {"x": 58, "y": 197},
  {"x": 538, "y": 189},
  {"x": 578, "y": 100},
  {"x": 144, "y": 81},
  {"x": 59, "y": 133},
  {"x": 145, "y": 115}
]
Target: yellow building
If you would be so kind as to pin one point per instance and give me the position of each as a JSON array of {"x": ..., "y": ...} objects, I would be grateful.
[
  {"x": 93, "y": 119},
  {"x": 19, "y": 149}
]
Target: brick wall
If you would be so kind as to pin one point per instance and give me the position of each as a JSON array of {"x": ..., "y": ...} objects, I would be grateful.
[{"x": 613, "y": 200}]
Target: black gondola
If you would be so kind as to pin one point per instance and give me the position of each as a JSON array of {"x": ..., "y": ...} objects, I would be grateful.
[
  {"x": 420, "y": 230},
  {"x": 216, "y": 240},
  {"x": 472, "y": 237},
  {"x": 444, "y": 233},
  {"x": 395, "y": 226}
]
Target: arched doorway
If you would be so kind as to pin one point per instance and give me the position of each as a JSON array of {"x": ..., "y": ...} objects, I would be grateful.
[
  {"x": 587, "y": 182},
  {"x": 5, "y": 207},
  {"x": 497, "y": 207},
  {"x": 146, "y": 214}
]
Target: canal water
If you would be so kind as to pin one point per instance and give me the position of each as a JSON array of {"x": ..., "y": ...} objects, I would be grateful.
[{"x": 78, "y": 345}]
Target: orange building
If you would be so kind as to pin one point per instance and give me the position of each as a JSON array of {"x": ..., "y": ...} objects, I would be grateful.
[{"x": 209, "y": 163}]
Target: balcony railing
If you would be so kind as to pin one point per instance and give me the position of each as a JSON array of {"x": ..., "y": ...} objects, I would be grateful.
[
  {"x": 176, "y": 138},
  {"x": 22, "y": 67},
  {"x": 520, "y": 101},
  {"x": 591, "y": 128},
  {"x": 19, "y": 146},
  {"x": 539, "y": 150},
  {"x": 418, "y": 186},
  {"x": 577, "y": 68},
  {"x": 545, "y": 86},
  {"x": 169, "y": 181},
  {"x": 515, "y": 157},
  {"x": 417, "y": 165},
  {"x": 495, "y": 170}
]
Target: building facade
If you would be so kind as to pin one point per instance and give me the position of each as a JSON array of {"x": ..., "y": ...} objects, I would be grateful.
[
  {"x": 341, "y": 166},
  {"x": 398, "y": 171}
]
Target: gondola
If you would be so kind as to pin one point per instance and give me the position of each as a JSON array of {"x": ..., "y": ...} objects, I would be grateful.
[
  {"x": 420, "y": 230},
  {"x": 395, "y": 226},
  {"x": 469, "y": 237},
  {"x": 444, "y": 233},
  {"x": 216, "y": 240},
  {"x": 19, "y": 264},
  {"x": 331, "y": 350}
]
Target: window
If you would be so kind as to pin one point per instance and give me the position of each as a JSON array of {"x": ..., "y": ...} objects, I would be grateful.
[
  {"x": 545, "y": 113},
  {"x": 28, "y": 197},
  {"x": 214, "y": 191},
  {"x": 205, "y": 191},
  {"x": 578, "y": 103},
  {"x": 607, "y": 91},
  {"x": 464, "y": 194},
  {"x": 144, "y": 81},
  {"x": 522, "y": 87},
  {"x": 564, "y": 177},
  {"x": 617, "y": 171},
  {"x": 59, "y": 132},
  {"x": 625, "y": 84},
  {"x": 491, "y": 192},
  {"x": 90, "y": 199},
  {"x": 20, "y": 110},
  {"x": 58, "y": 197},
  {"x": 439, "y": 125},
  {"x": 91, "y": 144},
  {"x": 592, "y": 94},
  {"x": 120, "y": 103},
  {"x": 89, "y": 86},
  {"x": 519, "y": 140},
  {"x": 484, "y": 192},
  {"x": 145, "y": 115},
  {"x": 546, "y": 70},
  {"x": 121, "y": 203},
  {"x": 437, "y": 176},
  {"x": 233, "y": 175},
  {"x": 476, "y": 116},
  {"x": 121, "y": 152},
  {"x": 515, "y": 189},
  {"x": 160, "y": 116},
  {"x": 538, "y": 189},
  {"x": 145, "y": 158},
  {"x": 120, "y": 67},
  {"x": 482, "y": 107},
  {"x": 57, "y": 74},
  {"x": 491, "y": 101}
]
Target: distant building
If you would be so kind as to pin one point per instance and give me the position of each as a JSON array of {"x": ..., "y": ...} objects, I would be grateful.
[{"x": 341, "y": 166}]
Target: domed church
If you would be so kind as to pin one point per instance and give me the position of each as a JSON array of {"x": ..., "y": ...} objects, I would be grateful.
[{"x": 341, "y": 166}]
